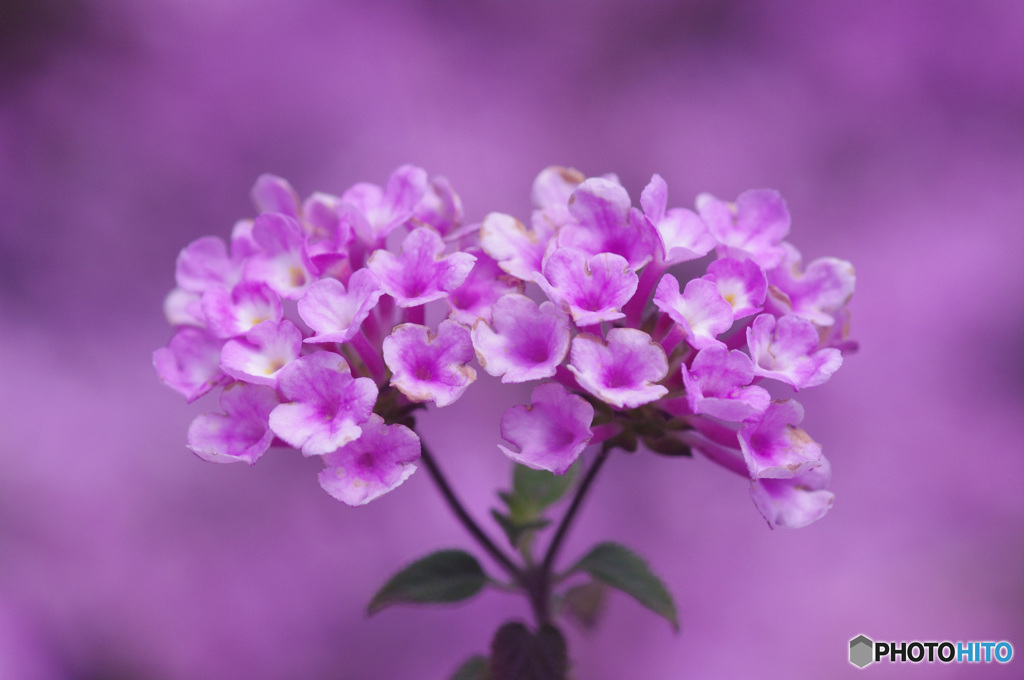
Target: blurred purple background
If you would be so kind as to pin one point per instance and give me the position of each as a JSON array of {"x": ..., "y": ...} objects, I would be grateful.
[{"x": 894, "y": 130}]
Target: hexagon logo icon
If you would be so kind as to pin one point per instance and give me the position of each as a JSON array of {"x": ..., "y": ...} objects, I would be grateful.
[{"x": 861, "y": 648}]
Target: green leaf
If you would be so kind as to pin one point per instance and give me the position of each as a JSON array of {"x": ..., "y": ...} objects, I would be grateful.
[
  {"x": 533, "y": 491},
  {"x": 518, "y": 654},
  {"x": 516, "y": 530},
  {"x": 621, "y": 568},
  {"x": 475, "y": 668},
  {"x": 443, "y": 576},
  {"x": 585, "y": 603}
]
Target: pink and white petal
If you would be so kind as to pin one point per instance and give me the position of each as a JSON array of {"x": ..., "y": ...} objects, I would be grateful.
[
  {"x": 551, "y": 432},
  {"x": 184, "y": 308},
  {"x": 205, "y": 263},
  {"x": 327, "y": 406},
  {"x": 234, "y": 312},
  {"x": 622, "y": 370},
  {"x": 367, "y": 468},
  {"x": 190, "y": 364},
  {"x": 819, "y": 292},
  {"x": 591, "y": 288},
  {"x": 241, "y": 432},
  {"x": 774, "y": 447},
  {"x": 422, "y": 272},
  {"x": 441, "y": 207},
  {"x": 786, "y": 350},
  {"x": 518, "y": 250},
  {"x": 430, "y": 366},
  {"x": 700, "y": 310},
  {"x": 527, "y": 342},
  {"x": 753, "y": 227},
  {"x": 796, "y": 502},
  {"x": 485, "y": 285},
  {"x": 334, "y": 313},
  {"x": 603, "y": 221},
  {"x": 717, "y": 385},
  {"x": 741, "y": 283},
  {"x": 265, "y": 350},
  {"x": 272, "y": 194},
  {"x": 554, "y": 186}
]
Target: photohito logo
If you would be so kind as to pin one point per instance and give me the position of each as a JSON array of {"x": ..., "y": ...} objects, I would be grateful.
[{"x": 864, "y": 651}]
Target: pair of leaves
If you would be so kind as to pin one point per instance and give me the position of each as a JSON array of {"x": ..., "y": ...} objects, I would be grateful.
[
  {"x": 440, "y": 577},
  {"x": 619, "y": 567},
  {"x": 533, "y": 492},
  {"x": 519, "y": 654}
]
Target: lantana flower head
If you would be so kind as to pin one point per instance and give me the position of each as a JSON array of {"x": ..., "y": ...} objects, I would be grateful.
[{"x": 314, "y": 318}]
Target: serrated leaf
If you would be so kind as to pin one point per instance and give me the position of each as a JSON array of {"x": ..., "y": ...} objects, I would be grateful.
[
  {"x": 475, "y": 668},
  {"x": 516, "y": 530},
  {"x": 443, "y": 576},
  {"x": 585, "y": 603},
  {"x": 518, "y": 654},
  {"x": 619, "y": 567}
]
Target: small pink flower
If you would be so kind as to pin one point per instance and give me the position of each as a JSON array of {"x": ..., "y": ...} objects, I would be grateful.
[
  {"x": 190, "y": 364},
  {"x": 384, "y": 210},
  {"x": 774, "y": 447},
  {"x": 527, "y": 342},
  {"x": 718, "y": 384},
  {"x": 234, "y": 312},
  {"x": 334, "y": 313},
  {"x": 604, "y": 221},
  {"x": 551, "y": 432},
  {"x": 421, "y": 272},
  {"x": 484, "y": 286},
  {"x": 701, "y": 311},
  {"x": 818, "y": 292},
  {"x": 797, "y": 501},
  {"x": 367, "y": 468},
  {"x": 591, "y": 288},
  {"x": 621, "y": 371},
  {"x": 682, "y": 234},
  {"x": 787, "y": 350},
  {"x": 517, "y": 250},
  {"x": 428, "y": 366},
  {"x": 741, "y": 283},
  {"x": 242, "y": 432},
  {"x": 751, "y": 228},
  {"x": 327, "y": 406},
  {"x": 265, "y": 350},
  {"x": 281, "y": 260}
]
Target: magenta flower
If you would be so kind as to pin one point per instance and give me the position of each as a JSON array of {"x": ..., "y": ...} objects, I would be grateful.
[
  {"x": 273, "y": 194},
  {"x": 591, "y": 288},
  {"x": 753, "y": 227},
  {"x": 386, "y": 209},
  {"x": 551, "y": 432},
  {"x": 774, "y": 447},
  {"x": 440, "y": 206},
  {"x": 205, "y": 263},
  {"x": 787, "y": 350},
  {"x": 526, "y": 342},
  {"x": 234, "y": 312},
  {"x": 241, "y": 433},
  {"x": 430, "y": 366},
  {"x": 484, "y": 286},
  {"x": 741, "y": 283},
  {"x": 797, "y": 501},
  {"x": 604, "y": 221},
  {"x": 700, "y": 310},
  {"x": 817, "y": 293},
  {"x": 327, "y": 405},
  {"x": 718, "y": 384},
  {"x": 421, "y": 272},
  {"x": 281, "y": 260},
  {"x": 367, "y": 468},
  {"x": 682, "y": 234},
  {"x": 622, "y": 370},
  {"x": 259, "y": 356},
  {"x": 517, "y": 250},
  {"x": 334, "y": 313},
  {"x": 190, "y": 364}
]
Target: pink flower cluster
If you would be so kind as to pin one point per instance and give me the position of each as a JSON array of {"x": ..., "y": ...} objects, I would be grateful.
[{"x": 316, "y": 328}]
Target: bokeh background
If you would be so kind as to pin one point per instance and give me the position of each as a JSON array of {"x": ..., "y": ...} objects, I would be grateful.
[{"x": 895, "y": 129}]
